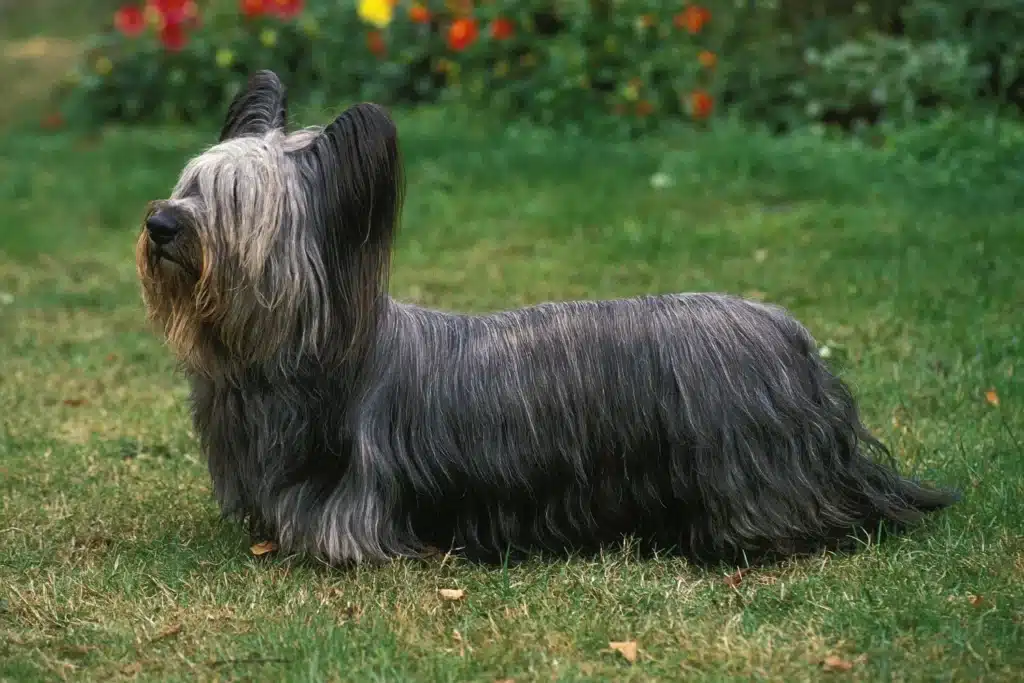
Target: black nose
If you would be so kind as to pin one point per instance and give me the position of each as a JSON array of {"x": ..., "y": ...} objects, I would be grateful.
[{"x": 162, "y": 227}]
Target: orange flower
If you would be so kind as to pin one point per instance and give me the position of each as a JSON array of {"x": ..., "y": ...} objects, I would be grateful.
[
  {"x": 692, "y": 18},
  {"x": 419, "y": 14},
  {"x": 375, "y": 43},
  {"x": 644, "y": 108},
  {"x": 502, "y": 29},
  {"x": 253, "y": 8},
  {"x": 462, "y": 33},
  {"x": 707, "y": 59},
  {"x": 701, "y": 104}
]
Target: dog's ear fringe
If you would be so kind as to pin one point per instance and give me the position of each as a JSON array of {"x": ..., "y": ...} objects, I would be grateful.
[{"x": 261, "y": 107}]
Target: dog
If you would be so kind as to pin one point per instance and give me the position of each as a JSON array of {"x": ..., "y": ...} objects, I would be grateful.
[{"x": 353, "y": 428}]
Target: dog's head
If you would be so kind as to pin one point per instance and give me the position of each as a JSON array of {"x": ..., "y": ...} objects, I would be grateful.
[{"x": 274, "y": 247}]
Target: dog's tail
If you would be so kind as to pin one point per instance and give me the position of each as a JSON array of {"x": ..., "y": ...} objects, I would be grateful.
[{"x": 874, "y": 485}]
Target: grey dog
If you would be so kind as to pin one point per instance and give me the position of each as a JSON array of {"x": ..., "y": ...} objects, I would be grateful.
[{"x": 356, "y": 428}]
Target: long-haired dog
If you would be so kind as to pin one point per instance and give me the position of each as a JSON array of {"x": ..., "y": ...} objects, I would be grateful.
[{"x": 357, "y": 428}]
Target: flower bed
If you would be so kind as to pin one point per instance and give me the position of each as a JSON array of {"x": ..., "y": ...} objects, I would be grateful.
[{"x": 589, "y": 63}]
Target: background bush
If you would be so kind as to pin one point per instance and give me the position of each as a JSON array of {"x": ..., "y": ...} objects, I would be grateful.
[{"x": 615, "y": 64}]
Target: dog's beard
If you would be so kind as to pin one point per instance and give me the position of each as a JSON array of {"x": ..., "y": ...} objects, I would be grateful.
[{"x": 169, "y": 259}]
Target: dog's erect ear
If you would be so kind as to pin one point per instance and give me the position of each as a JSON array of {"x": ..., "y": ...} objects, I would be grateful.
[
  {"x": 359, "y": 156},
  {"x": 261, "y": 107}
]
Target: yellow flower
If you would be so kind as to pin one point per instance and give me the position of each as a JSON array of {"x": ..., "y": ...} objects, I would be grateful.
[
  {"x": 154, "y": 17},
  {"x": 225, "y": 58},
  {"x": 376, "y": 12},
  {"x": 310, "y": 26},
  {"x": 103, "y": 66},
  {"x": 268, "y": 37}
]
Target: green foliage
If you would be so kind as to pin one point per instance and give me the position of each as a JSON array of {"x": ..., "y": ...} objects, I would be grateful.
[{"x": 595, "y": 64}]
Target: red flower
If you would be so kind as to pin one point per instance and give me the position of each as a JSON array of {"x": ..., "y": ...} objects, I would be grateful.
[
  {"x": 287, "y": 9},
  {"x": 462, "y": 33},
  {"x": 176, "y": 11},
  {"x": 52, "y": 121},
  {"x": 692, "y": 18},
  {"x": 707, "y": 59},
  {"x": 254, "y": 8},
  {"x": 375, "y": 43},
  {"x": 419, "y": 14},
  {"x": 502, "y": 29},
  {"x": 173, "y": 36},
  {"x": 701, "y": 104},
  {"x": 130, "y": 20}
]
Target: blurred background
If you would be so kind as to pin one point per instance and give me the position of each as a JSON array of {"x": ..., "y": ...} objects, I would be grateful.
[{"x": 613, "y": 65}]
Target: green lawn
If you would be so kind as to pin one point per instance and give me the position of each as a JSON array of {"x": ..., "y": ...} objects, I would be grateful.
[{"x": 113, "y": 563}]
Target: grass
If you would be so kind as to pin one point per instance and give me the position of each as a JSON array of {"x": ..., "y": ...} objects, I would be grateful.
[
  {"x": 115, "y": 564},
  {"x": 904, "y": 261}
]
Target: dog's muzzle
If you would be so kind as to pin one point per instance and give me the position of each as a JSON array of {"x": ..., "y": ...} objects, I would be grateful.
[{"x": 162, "y": 228}]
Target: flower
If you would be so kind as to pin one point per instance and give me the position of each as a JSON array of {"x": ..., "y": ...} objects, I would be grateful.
[
  {"x": 268, "y": 37},
  {"x": 375, "y": 43},
  {"x": 254, "y": 8},
  {"x": 52, "y": 121},
  {"x": 502, "y": 29},
  {"x": 130, "y": 20},
  {"x": 462, "y": 33},
  {"x": 644, "y": 108},
  {"x": 692, "y": 18},
  {"x": 103, "y": 65},
  {"x": 707, "y": 59},
  {"x": 701, "y": 104},
  {"x": 175, "y": 11},
  {"x": 173, "y": 36},
  {"x": 419, "y": 14},
  {"x": 287, "y": 9},
  {"x": 376, "y": 12},
  {"x": 310, "y": 26},
  {"x": 225, "y": 57}
]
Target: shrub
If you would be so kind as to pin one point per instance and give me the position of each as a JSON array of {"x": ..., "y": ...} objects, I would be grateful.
[
  {"x": 179, "y": 60},
  {"x": 605, "y": 64}
]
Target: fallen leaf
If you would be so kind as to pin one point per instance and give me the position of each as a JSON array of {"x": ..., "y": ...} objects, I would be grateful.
[
  {"x": 451, "y": 593},
  {"x": 975, "y": 600},
  {"x": 74, "y": 402},
  {"x": 833, "y": 663},
  {"x": 992, "y": 397},
  {"x": 168, "y": 632},
  {"x": 133, "y": 669},
  {"x": 734, "y": 580},
  {"x": 760, "y": 255},
  {"x": 627, "y": 649},
  {"x": 263, "y": 548}
]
